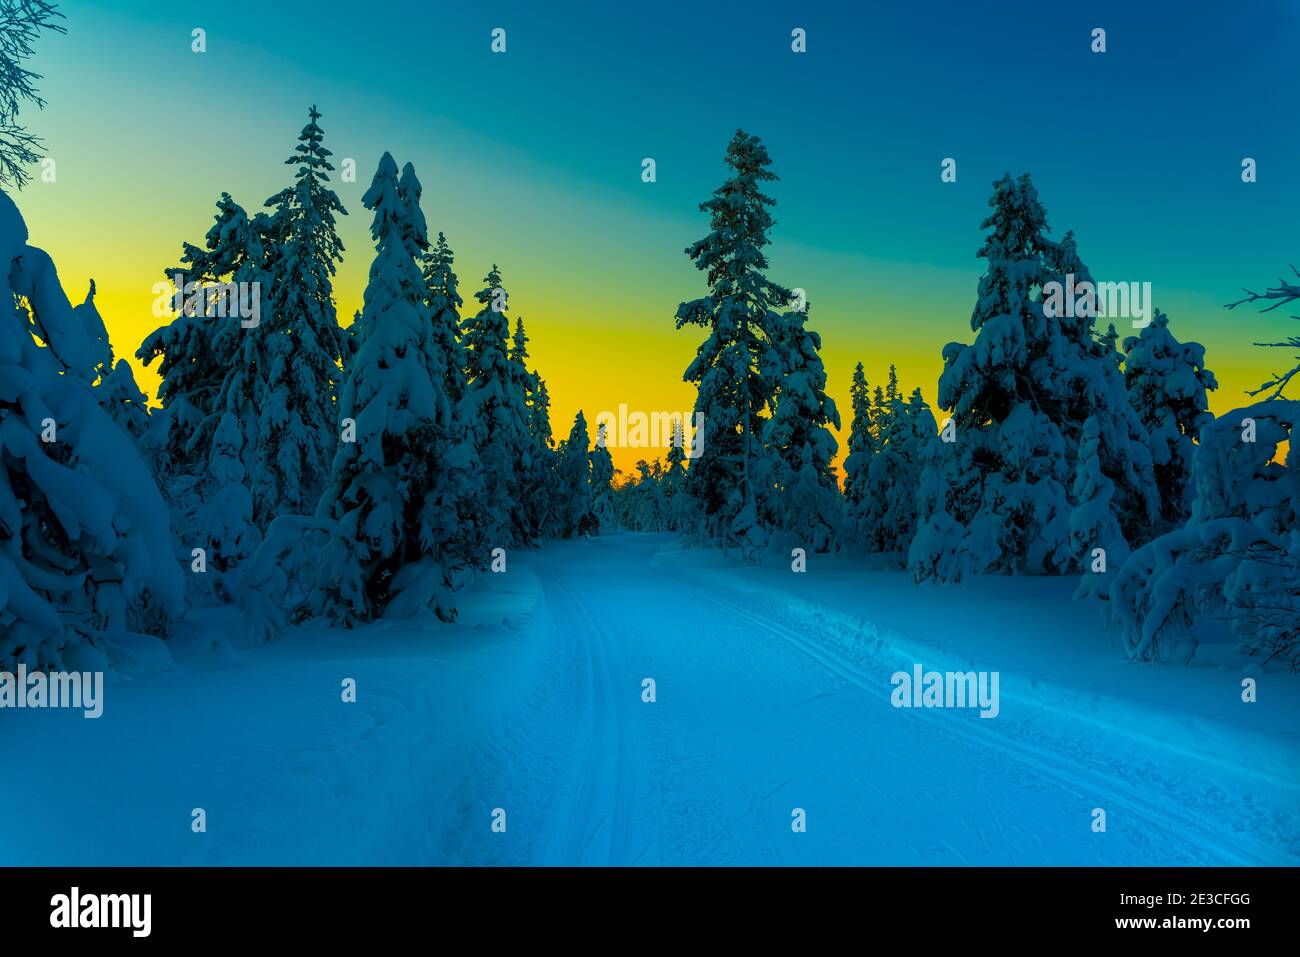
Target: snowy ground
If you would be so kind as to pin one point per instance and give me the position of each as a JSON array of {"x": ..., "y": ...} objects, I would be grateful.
[{"x": 772, "y": 694}]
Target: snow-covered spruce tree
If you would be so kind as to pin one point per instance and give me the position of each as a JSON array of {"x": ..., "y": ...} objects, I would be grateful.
[
  {"x": 673, "y": 480},
  {"x": 888, "y": 510},
  {"x": 539, "y": 415},
  {"x": 388, "y": 490},
  {"x": 532, "y": 484},
  {"x": 458, "y": 502},
  {"x": 886, "y": 474},
  {"x": 733, "y": 392},
  {"x": 498, "y": 408},
  {"x": 85, "y": 547},
  {"x": 651, "y": 506},
  {"x": 351, "y": 342},
  {"x": 1109, "y": 345},
  {"x": 1088, "y": 384},
  {"x": 893, "y": 397},
  {"x": 291, "y": 432},
  {"x": 1020, "y": 396},
  {"x": 225, "y": 520},
  {"x": 115, "y": 385},
  {"x": 862, "y": 441},
  {"x": 602, "y": 484},
  {"x": 573, "y": 513},
  {"x": 995, "y": 498},
  {"x": 304, "y": 224},
  {"x": 442, "y": 298},
  {"x": 639, "y": 500},
  {"x": 444, "y": 304},
  {"x": 1094, "y": 530},
  {"x": 798, "y": 437},
  {"x": 1238, "y": 556},
  {"x": 862, "y": 446},
  {"x": 1167, "y": 385},
  {"x": 196, "y": 350},
  {"x": 879, "y": 413},
  {"x": 253, "y": 390},
  {"x": 541, "y": 486}
]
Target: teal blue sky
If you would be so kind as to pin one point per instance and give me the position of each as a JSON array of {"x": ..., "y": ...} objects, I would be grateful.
[{"x": 532, "y": 158}]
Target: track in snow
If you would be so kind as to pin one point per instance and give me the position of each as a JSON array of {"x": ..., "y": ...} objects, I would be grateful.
[{"x": 759, "y": 712}]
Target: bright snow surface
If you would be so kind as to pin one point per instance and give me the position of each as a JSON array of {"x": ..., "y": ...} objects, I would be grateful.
[{"x": 773, "y": 694}]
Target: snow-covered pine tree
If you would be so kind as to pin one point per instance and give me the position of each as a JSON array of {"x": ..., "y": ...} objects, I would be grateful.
[
  {"x": 916, "y": 439},
  {"x": 640, "y": 501},
  {"x": 519, "y": 350},
  {"x": 1020, "y": 396},
  {"x": 862, "y": 446},
  {"x": 885, "y": 474},
  {"x": 85, "y": 549},
  {"x": 893, "y": 397},
  {"x": 995, "y": 499},
  {"x": 1094, "y": 529},
  {"x": 1085, "y": 382},
  {"x": 733, "y": 392},
  {"x": 532, "y": 485},
  {"x": 498, "y": 408},
  {"x": 414, "y": 232},
  {"x": 247, "y": 389},
  {"x": 888, "y": 508},
  {"x": 862, "y": 441},
  {"x": 196, "y": 351},
  {"x": 115, "y": 384},
  {"x": 798, "y": 437},
  {"x": 351, "y": 342},
  {"x": 539, "y": 415},
  {"x": 602, "y": 484},
  {"x": 444, "y": 304},
  {"x": 1238, "y": 556},
  {"x": 225, "y": 520},
  {"x": 541, "y": 485},
  {"x": 299, "y": 343},
  {"x": 879, "y": 413},
  {"x": 389, "y": 491},
  {"x": 442, "y": 298},
  {"x": 1109, "y": 344},
  {"x": 304, "y": 220},
  {"x": 1167, "y": 385},
  {"x": 573, "y": 513}
]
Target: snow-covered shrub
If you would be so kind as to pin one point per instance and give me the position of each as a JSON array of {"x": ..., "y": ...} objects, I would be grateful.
[
  {"x": 225, "y": 520},
  {"x": 1235, "y": 558},
  {"x": 1095, "y": 535},
  {"x": 283, "y": 581}
]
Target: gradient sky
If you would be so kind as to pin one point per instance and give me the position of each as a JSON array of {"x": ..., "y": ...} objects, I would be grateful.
[{"x": 532, "y": 159}]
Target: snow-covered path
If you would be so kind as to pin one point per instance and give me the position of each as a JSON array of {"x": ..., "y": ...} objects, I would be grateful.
[
  {"x": 772, "y": 694},
  {"x": 763, "y": 708}
]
